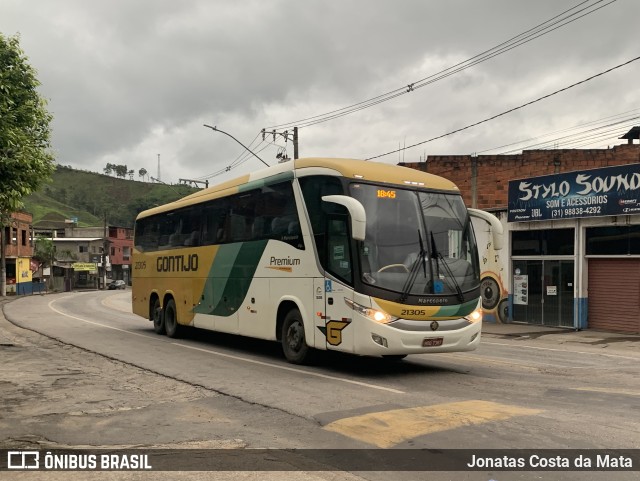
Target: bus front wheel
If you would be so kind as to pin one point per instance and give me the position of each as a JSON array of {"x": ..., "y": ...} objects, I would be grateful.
[
  {"x": 294, "y": 343},
  {"x": 171, "y": 325},
  {"x": 157, "y": 317}
]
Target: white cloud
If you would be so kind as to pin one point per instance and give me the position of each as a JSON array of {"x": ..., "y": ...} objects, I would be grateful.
[{"x": 129, "y": 80}]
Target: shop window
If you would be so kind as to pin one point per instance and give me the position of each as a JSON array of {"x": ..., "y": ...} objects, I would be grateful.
[
  {"x": 550, "y": 242},
  {"x": 613, "y": 240}
]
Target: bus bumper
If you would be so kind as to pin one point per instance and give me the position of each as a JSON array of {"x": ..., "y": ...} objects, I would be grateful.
[{"x": 383, "y": 340}]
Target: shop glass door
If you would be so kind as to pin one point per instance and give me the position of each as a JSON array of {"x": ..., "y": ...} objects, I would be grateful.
[
  {"x": 543, "y": 292},
  {"x": 527, "y": 291},
  {"x": 558, "y": 293}
]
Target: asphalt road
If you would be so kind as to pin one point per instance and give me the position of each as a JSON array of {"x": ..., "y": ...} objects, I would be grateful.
[{"x": 102, "y": 378}]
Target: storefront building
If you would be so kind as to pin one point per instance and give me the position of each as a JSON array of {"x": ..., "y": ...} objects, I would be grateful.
[
  {"x": 571, "y": 218},
  {"x": 575, "y": 249}
]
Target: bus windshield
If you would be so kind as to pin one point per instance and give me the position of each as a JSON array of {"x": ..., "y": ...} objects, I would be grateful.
[{"x": 417, "y": 242}]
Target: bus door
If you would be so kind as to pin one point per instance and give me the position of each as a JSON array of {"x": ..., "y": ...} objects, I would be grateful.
[{"x": 339, "y": 334}]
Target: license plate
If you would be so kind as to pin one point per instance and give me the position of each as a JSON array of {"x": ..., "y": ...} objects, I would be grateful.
[{"x": 432, "y": 342}]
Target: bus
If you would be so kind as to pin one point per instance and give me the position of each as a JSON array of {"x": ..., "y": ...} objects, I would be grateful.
[{"x": 318, "y": 254}]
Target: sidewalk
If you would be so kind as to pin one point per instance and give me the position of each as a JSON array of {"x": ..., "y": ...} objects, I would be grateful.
[{"x": 557, "y": 335}]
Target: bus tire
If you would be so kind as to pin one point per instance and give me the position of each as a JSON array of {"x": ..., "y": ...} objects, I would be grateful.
[
  {"x": 171, "y": 326},
  {"x": 157, "y": 317},
  {"x": 294, "y": 344}
]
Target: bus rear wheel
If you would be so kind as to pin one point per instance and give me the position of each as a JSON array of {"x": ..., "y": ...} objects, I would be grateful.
[
  {"x": 294, "y": 343},
  {"x": 157, "y": 317},
  {"x": 171, "y": 326}
]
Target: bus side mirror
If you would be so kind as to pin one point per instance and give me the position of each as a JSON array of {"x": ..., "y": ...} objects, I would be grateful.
[
  {"x": 356, "y": 212},
  {"x": 497, "y": 230}
]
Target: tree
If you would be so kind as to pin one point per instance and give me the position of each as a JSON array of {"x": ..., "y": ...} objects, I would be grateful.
[
  {"x": 45, "y": 253},
  {"x": 25, "y": 157},
  {"x": 142, "y": 172},
  {"x": 120, "y": 170}
]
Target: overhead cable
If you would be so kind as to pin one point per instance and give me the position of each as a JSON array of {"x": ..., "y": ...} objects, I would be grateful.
[
  {"x": 507, "y": 111},
  {"x": 539, "y": 30}
]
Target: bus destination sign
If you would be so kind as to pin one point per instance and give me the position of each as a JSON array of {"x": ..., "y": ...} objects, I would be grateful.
[{"x": 585, "y": 193}]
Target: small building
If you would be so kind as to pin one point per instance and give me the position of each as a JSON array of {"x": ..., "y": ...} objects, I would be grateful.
[
  {"x": 18, "y": 250},
  {"x": 119, "y": 248},
  {"x": 575, "y": 249},
  {"x": 51, "y": 225},
  {"x": 76, "y": 258}
]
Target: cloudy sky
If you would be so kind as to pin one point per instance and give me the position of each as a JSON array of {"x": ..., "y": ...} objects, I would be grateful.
[{"x": 131, "y": 82}]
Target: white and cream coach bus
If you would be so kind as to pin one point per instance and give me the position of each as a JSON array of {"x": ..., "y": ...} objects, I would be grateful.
[{"x": 330, "y": 254}]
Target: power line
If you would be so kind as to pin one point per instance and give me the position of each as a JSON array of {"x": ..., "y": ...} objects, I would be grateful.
[
  {"x": 241, "y": 159},
  {"x": 582, "y": 138},
  {"x": 216, "y": 129},
  {"x": 602, "y": 132},
  {"x": 516, "y": 41},
  {"x": 555, "y": 140},
  {"x": 510, "y": 110}
]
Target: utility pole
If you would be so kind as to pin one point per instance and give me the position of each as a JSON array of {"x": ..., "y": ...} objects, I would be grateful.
[
  {"x": 474, "y": 180},
  {"x": 195, "y": 182},
  {"x": 105, "y": 246},
  {"x": 286, "y": 135},
  {"x": 158, "y": 166}
]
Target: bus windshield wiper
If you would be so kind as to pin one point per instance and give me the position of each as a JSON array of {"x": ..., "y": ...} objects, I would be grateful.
[
  {"x": 437, "y": 255},
  {"x": 413, "y": 273},
  {"x": 422, "y": 254}
]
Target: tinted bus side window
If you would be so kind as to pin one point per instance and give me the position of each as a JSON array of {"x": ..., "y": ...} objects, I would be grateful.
[
  {"x": 266, "y": 213},
  {"x": 277, "y": 215},
  {"x": 168, "y": 230}
]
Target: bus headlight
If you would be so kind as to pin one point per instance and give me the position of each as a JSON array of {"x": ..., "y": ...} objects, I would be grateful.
[
  {"x": 373, "y": 314},
  {"x": 475, "y": 316}
]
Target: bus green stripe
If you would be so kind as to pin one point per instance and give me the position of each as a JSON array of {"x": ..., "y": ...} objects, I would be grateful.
[
  {"x": 459, "y": 310},
  {"x": 230, "y": 276},
  {"x": 221, "y": 270}
]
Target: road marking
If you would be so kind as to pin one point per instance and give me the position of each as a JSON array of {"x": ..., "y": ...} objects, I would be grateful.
[
  {"x": 388, "y": 428},
  {"x": 50, "y": 305},
  {"x": 293, "y": 369},
  {"x": 111, "y": 303},
  {"x": 626, "y": 392},
  {"x": 230, "y": 356}
]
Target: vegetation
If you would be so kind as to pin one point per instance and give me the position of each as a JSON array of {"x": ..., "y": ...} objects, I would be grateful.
[
  {"x": 90, "y": 197},
  {"x": 25, "y": 159}
]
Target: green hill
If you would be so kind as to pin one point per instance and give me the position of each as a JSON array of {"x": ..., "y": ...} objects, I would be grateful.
[{"x": 89, "y": 196}]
